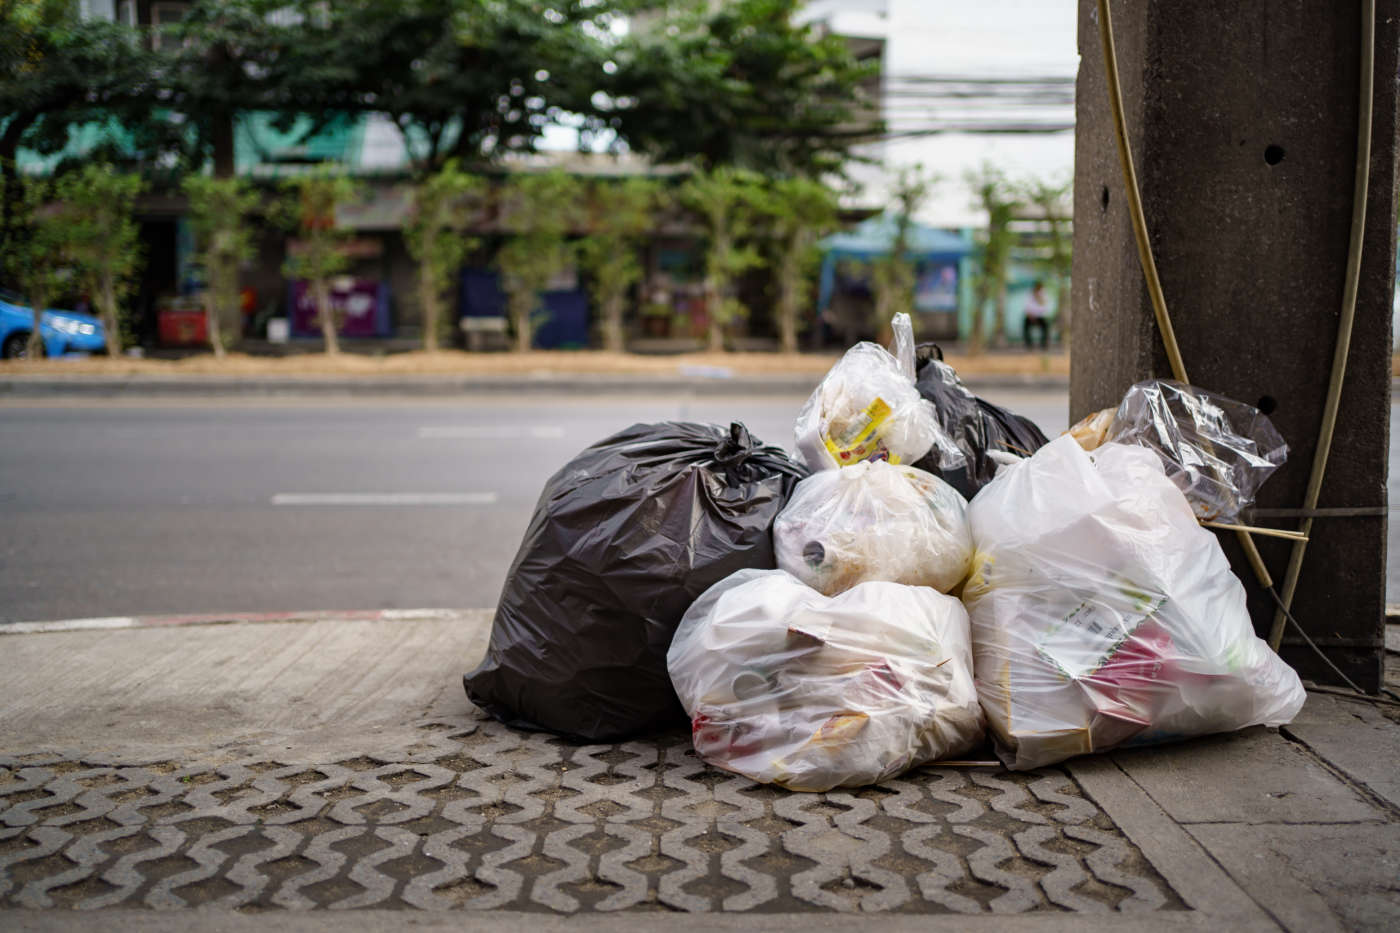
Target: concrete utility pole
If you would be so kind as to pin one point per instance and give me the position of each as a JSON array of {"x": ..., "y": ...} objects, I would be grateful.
[{"x": 1242, "y": 120}]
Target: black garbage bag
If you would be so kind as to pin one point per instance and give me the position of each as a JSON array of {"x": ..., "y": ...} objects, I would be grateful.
[
  {"x": 975, "y": 425},
  {"x": 623, "y": 540}
]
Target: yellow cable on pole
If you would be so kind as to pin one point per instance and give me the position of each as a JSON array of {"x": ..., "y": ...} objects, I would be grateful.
[
  {"x": 1144, "y": 246},
  {"x": 1360, "y": 187}
]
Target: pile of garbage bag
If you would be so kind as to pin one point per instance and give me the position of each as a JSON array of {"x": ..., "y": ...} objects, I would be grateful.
[
  {"x": 1104, "y": 615},
  {"x": 787, "y": 686},
  {"x": 820, "y": 622},
  {"x": 624, "y": 538}
]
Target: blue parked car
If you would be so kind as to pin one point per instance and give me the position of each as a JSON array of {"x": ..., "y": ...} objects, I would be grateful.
[{"x": 61, "y": 331}]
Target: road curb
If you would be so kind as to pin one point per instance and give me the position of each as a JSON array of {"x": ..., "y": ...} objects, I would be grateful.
[
  {"x": 187, "y": 387},
  {"x": 229, "y": 618}
]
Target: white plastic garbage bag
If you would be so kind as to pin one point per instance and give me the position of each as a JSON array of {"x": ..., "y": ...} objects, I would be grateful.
[
  {"x": 867, "y": 408},
  {"x": 874, "y": 521},
  {"x": 787, "y": 686},
  {"x": 1104, "y": 615}
]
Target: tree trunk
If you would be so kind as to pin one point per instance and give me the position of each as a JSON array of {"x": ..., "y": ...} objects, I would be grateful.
[
  {"x": 211, "y": 318},
  {"x": 613, "y": 337},
  {"x": 520, "y": 307},
  {"x": 107, "y": 302},
  {"x": 35, "y": 348},
  {"x": 787, "y": 304},
  {"x": 787, "y": 321},
  {"x": 428, "y": 298},
  {"x": 978, "y": 339},
  {"x": 10, "y": 194},
  {"x": 1062, "y": 311},
  {"x": 321, "y": 292},
  {"x": 999, "y": 312},
  {"x": 880, "y": 311},
  {"x": 715, "y": 329},
  {"x": 15, "y": 128},
  {"x": 222, "y": 140},
  {"x": 715, "y": 342},
  {"x": 715, "y": 287}
]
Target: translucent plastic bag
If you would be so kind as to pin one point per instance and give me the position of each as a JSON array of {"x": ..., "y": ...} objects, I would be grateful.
[
  {"x": 787, "y": 686},
  {"x": 1218, "y": 451},
  {"x": 874, "y": 521},
  {"x": 866, "y": 408},
  {"x": 1103, "y": 614}
]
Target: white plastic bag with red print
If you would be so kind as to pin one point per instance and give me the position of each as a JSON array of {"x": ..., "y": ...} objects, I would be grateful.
[
  {"x": 1104, "y": 615},
  {"x": 787, "y": 686}
]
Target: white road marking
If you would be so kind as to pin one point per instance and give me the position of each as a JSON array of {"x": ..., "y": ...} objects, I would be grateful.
[
  {"x": 489, "y": 432},
  {"x": 323, "y": 615},
  {"x": 67, "y": 625},
  {"x": 384, "y": 498}
]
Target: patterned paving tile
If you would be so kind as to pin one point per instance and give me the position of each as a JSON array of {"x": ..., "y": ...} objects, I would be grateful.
[{"x": 480, "y": 816}]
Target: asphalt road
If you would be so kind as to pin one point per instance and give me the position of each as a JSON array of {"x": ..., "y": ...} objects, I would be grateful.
[
  {"x": 131, "y": 508},
  {"x": 125, "y": 508}
]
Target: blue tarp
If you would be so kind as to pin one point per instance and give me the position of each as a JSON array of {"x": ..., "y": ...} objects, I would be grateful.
[{"x": 873, "y": 238}]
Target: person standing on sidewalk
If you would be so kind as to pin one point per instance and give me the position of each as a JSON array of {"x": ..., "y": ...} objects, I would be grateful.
[{"x": 1037, "y": 315}]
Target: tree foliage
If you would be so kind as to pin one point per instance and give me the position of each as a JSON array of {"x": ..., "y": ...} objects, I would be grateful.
[
  {"x": 37, "y": 254},
  {"x": 620, "y": 213},
  {"x": 220, "y": 217},
  {"x": 799, "y": 212},
  {"x": 894, "y": 275},
  {"x": 726, "y": 203},
  {"x": 443, "y": 207},
  {"x": 224, "y": 61},
  {"x": 94, "y": 205},
  {"x": 1055, "y": 246},
  {"x": 996, "y": 197},
  {"x": 740, "y": 84},
  {"x": 539, "y": 210},
  {"x": 461, "y": 79},
  {"x": 730, "y": 87},
  {"x": 57, "y": 73},
  {"x": 310, "y": 208}
]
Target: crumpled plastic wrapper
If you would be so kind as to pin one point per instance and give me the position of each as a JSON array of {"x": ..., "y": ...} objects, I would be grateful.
[
  {"x": 866, "y": 408},
  {"x": 787, "y": 686},
  {"x": 1217, "y": 451},
  {"x": 1092, "y": 431},
  {"x": 874, "y": 521},
  {"x": 1103, "y": 615}
]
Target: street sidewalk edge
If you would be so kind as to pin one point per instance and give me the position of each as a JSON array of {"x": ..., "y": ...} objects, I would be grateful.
[{"x": 231, "y": 618}]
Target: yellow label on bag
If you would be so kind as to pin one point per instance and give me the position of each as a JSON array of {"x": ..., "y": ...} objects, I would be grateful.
[
  {"x": 832, "y": 736},
  {"x": 839, "y": 730},
  {"x": 862, "y": 438}
]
